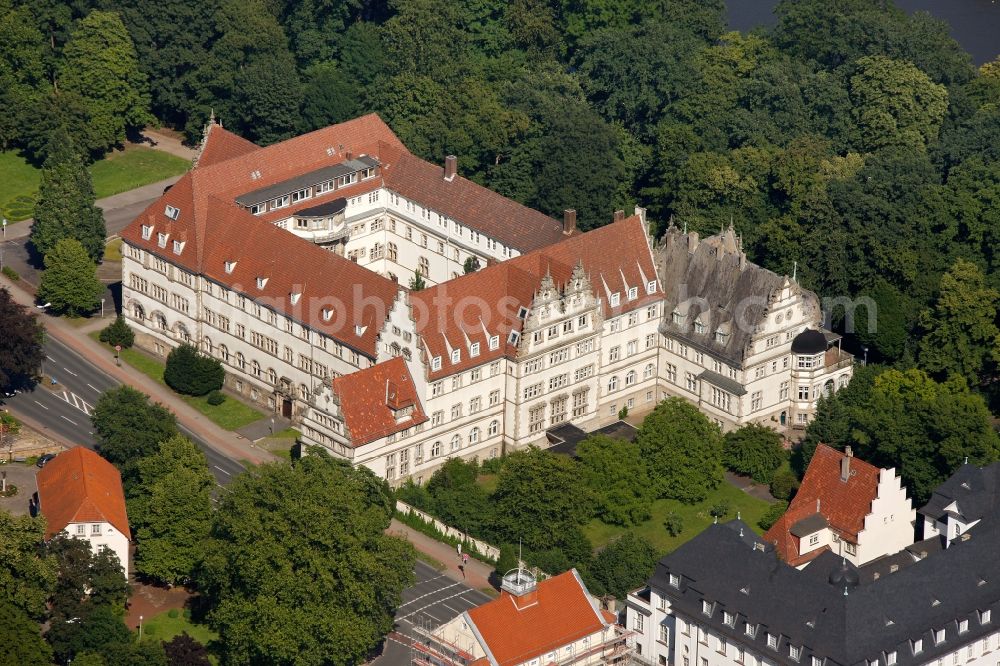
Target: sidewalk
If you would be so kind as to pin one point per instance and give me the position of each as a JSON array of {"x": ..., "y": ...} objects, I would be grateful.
[
  {"x": 228, "y": 443},
  {"x": 477, "y": 574}
]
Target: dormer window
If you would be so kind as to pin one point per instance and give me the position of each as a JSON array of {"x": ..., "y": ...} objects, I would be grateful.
[
  {"x": 794, "y": 652},
  {"x": 677, "y": 317},
  {"x": 474, "y": 350},
  {"x": 255, "y": 175},
  {"x": 816, "y": 661},
  {"x": 633, "y": 293},
  {"x": 178, "y": 247},
  {"x": 721, "y": 337},
  {"x": 939, "y": 636},
  {"x": 729, "y": 618},
  {"x": 917, "y": 646},
  {"x": 890, "y": 658},
  {"x": 706, "y": 607},
  {"x": 651, "y": 287},
  {"x": 984, "y": 617},
  {"x": 456, "y": 355},
  {"x": 161, "y": 239},
  {"x": 294, "y": 297},
  {"x": 359, "y": 330},
  {"x": 522, "y": 312},
  {"x": 280, "y": 202},
  {"x": 259, "y": 208},
  {"x": 699, "y": 327},
  {"x": 615, "y": 299},
  {"x": 675, "y": 580},
  {"x": 494, "y": 342},
  {"x": 171, "y": 212},
  {"x": 963, "y": 626},
  {"x": 513, "y": 338},
  {"x": 750, "y": 630},
  {"x": 772, "y": 641},
  {"x": 147, "y": 231},
  {"x": 302, "y": 194},
  {"x": 230, "y": 266},
  {"x": 436, "y": 363},
  {"x": 327, "y": 314},
  {"x": 261, "y": 282}
]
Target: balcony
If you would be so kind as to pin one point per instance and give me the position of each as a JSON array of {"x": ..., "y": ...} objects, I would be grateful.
[
  {"x": 320, "y": 237},
  {"x": 836, "y": 359}
]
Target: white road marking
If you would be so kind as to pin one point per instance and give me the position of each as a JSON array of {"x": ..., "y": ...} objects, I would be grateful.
[
  {"x": 440, "y": 589},
  {"x": 222, "y": 470},
  {"x": 71, "y": 372},
  {"x": 70, "y": 420},
  {"x": 40, "y": 405},
  {"x": 93, "y": 387},
  {"x": 433, "y": 603},
  {"x": 51, "y": 359},
  {"x": 456, "y": 612}
]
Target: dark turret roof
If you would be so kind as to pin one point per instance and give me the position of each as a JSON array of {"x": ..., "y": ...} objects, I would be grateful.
[{"x": 809, "y": 341}]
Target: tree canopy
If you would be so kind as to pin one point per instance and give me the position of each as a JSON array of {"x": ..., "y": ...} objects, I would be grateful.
[
  {"x": 753, "y": 450},
  {"x": 188, "y": 371},
  {"x": 21, "y": 337},
  {"x": 682, "y": 449},
  {"x": 69, "y": 282},
  {"x": 130, "y": 427},
  {"x": 300, "y": 570},
  {"x": 27, "y": 573},
  {"x": 614, "y": 468}
]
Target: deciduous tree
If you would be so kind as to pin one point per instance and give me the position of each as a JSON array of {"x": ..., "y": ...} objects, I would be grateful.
[
  {"x": 624, "y": 564},
  {"x": 70, "y": 282},
  {"x": 21, "y": 337},
  {"x": 616, "y": 473},
  {"x": 300, "y": 569},
  {"x": 129, "y": 427},
  {"x": 192, "y": 373},
  {"x": 753, "y": 450},
  {"x": 682, "y": 449},
  {"x": 23, "y": 645},
  {"x": 27, "y": 573},
  {"x": 170, "y": 509}
]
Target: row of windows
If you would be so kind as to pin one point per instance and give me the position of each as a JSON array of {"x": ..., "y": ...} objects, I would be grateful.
[
  {"x": 475, "y": 406},
  {"x": 558, "y": 407},
  {"x": 698, "y": 357},
  {"x": 437, "y": 450},
  {"x": 309, "y": 192},
  {"x": 442, "y": 221},
  {"x": 476, "y": 374}
]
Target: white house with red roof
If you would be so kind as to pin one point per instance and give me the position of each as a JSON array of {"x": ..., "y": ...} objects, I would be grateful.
[
  {"x": 288, "y": 263},
  {"x": 553, "y": 622},
  {"x": 847, "y": 506},
  {"x": 80, "y": 494}
]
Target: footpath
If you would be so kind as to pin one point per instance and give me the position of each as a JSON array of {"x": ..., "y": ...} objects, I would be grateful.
[
  {"x": 228, "y": 443},
  {"x": 477, "y": 574}
]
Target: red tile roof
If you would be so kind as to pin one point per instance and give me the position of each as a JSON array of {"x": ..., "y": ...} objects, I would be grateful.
[
  {"x": 471, "y": 308},
  {"x": 79, "y": 486},
  {"x": 844, "y": 505},
  {"x": 471, "y": 204},
  {"x": 367, "y": 397},
  {"x": 220, "y": 145},
  {"x": 562, "y": 615}
]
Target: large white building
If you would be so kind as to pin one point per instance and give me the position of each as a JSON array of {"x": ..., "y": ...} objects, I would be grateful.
[
  {"x": 291, "y": 264},
  {"x": 730, "y": 598}
]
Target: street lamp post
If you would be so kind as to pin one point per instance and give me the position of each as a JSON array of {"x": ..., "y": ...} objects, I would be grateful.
[
  {"x": 140, "y": 628},
  {"x": 864, "y": 348},
  {"x": 102, "y": 308},
  {"x": 4, "y": 242}
]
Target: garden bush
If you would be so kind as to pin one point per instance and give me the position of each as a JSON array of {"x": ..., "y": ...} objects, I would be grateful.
[
  {"x": 192, "y": 373},
  {"x": 216, "y": 398},
  {"x": 118, "y": 333},
  {"x": 773, "y": 514},
  {"x": 11, "y": 273},
  {"x": 784, "y": 485}
]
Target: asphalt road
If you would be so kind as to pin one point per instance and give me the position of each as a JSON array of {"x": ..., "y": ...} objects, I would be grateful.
[
  {"x": 64, "y": 408},
  {"x": 433, "y": 600}
]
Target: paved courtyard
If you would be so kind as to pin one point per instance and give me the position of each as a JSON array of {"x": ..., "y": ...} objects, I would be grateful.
[
  {"x": 434, "y": 599},
  {"x": 22, "y": 476}
]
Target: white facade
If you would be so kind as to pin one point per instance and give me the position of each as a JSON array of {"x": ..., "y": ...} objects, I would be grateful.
[
  {"x": 102, "y": 535},
  {"x": 890, "y": 523}
]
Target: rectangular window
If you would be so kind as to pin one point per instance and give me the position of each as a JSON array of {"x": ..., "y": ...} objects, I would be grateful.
[
  {"x": 756, "y": 401},
  {"x": 580, "y": 403},
  {"x": 474, "y": 350},
  {"x": 583, "y": 373},
  {"x": 559, "y": 356},
  {"x": 475, "y": 405},
  {"x": 494, "y": 398},
  {"x": 675, "y": 580},
  {"x": 437, "y": 418},
  {"x": 532, "y": 391},
  {"x": 95, "y": 529},
  {"x": 536, "y": 418},
  {"x": 772, "y": 641},
  {"x": 532, "y": 366},
  {"x": 614, "y": 354},
  {"x": 558, "y": 381},
  {"x": 437, "y": 388},
  {"x": 456, "y": 411},
  {"x": 558, "y": 410}
]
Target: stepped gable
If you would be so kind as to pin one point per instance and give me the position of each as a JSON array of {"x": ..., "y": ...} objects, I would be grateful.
[
  {"x": 473, "y": 205},
  {"x": 843, "y": 505},
  {"x": 613, "y": 257},
  {"x": 220, "y": 145},
  {"x": 378, "y": 401},
  {"x": 79, "y": 486},
  {"x": 713, "y": 275},
  {"x": 560, "y": 613}
]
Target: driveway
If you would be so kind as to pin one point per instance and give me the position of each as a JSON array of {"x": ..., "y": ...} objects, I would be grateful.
[{"x": 22, "y": 476}]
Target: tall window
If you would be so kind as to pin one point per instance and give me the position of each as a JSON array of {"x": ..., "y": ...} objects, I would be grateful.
[
  {"x": 393, "y": 252},
  {"x": 423, "y": 266}
]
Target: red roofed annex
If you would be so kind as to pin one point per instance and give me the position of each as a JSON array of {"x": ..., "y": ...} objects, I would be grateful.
[{"x": 334, "y": 270}]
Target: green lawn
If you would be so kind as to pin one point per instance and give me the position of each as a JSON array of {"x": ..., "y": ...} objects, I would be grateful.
[
  {"x": 18, "y": 187},
  {"x": 230, "y": 415},
  {"x": 696, "y": 517},
  {"x": 162, "y": 627},
  {"x": 132, "y": 168},
  {"x": 113, "y": 250},
  {"x": 119, "y": 172}
]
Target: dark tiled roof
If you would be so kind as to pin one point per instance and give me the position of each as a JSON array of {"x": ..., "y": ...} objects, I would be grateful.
[
  {"x": 307, "y": 179},
  {"x": 723, "y": 382},
  {"x": 803, "y": 608},
  {"x": 975, "y": 490},
  {"x": 808, "y": 525}
]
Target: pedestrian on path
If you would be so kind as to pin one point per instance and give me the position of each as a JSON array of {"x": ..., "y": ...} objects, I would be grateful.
[
  {"x": 465, "y": 558},
  {"x": 458, "y": 546}
]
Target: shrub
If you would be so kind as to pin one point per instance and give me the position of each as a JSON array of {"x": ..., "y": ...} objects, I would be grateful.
[
  {"x": 173, "y": 612},
  {"x": 753, "y": 450},
  {"x": 216, "y": 398},
  {"x": 784, "y": 484},
  {"x": 491, "y": 465},
  {"x": 118, "y": 333},
  {"x": 507, "y": 559},
  {"x": 622, "y": 413},
  {"x": 191, "y": 373},
  {"x": 674, "y": 523},
  {"x": 11, "y": 273},
  {"x": 721, "y": 509},
  {"x": 772, "y": 515}
]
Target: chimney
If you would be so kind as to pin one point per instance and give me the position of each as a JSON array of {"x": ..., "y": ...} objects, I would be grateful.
[
  {"x": 450, "y": 167},
  {"x": 845, "y": 465},
  {"x": 569, "y": 221},
  {"x": 348, "y": 156},
  {"x": 692, "y": 242},
  {"x": 619, "y": 215}
]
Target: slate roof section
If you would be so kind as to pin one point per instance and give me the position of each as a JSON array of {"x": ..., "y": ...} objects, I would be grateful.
[
  {"x": 714, "y": 281},
  {"x": 307, "y": 179},
  {"x": 79, "y": 486},
  {"x": 564, "y": 613},
  {"x": 806, "y": 611},
  {"x": 365, "y": 397},
  {"x": 974, "y": 490},
  {"x": 474, "y": 307},
  {"x": 843, "y": 505}
]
